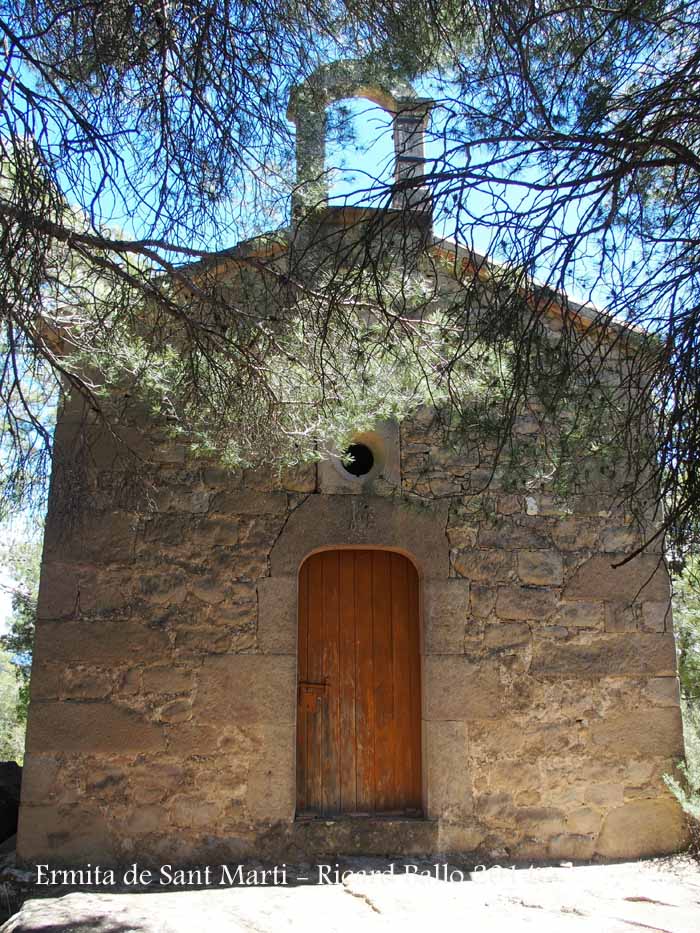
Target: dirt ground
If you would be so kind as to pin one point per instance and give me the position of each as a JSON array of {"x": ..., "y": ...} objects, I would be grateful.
[{"x": 371, "y": 894}]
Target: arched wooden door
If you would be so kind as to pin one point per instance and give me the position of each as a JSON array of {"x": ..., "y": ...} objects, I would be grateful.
[{"x": 358, "y": 708}]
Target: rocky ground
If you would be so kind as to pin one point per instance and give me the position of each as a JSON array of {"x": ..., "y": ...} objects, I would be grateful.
[{"x": 657, "y": 894}]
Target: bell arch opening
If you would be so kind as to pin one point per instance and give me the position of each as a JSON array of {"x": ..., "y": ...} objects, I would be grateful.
[
  {"x": 357, "y": 80},
  {"x": 359, "y": 157}
]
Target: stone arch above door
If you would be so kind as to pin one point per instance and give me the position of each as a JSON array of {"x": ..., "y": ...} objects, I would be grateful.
[
  {"x": 323, "y": 521},
  {"x": 333, "y": 521}
]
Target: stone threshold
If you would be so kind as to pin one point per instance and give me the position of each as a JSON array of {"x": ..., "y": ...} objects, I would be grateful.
[{"x": 375, "y": 835}]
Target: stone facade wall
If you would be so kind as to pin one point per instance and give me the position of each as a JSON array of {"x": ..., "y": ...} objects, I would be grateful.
[{"x": 162, "y": 719}]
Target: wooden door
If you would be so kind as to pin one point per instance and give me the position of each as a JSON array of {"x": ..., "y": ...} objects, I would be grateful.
[{"x": 358, "y": 708}]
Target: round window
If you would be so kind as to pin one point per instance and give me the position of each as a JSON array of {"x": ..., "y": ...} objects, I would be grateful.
[{"x": 358, "y": 459}]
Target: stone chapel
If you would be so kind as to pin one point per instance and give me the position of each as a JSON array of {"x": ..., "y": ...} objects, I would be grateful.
[{"x": 234, "y": 664}]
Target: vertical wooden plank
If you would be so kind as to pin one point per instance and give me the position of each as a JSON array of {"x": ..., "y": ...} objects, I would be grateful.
[
  {"x": 329, "y": 707},
  {"x": 303, "y": 640},
  {"x": 400, "y": 620},
  {"x": 414, "y": 798},
  {"x": 315, "y": 674},
  {"x": 364, "y": 700},
  {"x": 384, "y": 751},
  {"x": 347, "y": 684}
]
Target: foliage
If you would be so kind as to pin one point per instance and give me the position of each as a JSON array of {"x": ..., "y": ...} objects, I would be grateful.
[
  {"x": 571, "y": 143},
  {"x": 686, "y": 786},
  {"x": 686, "y": 618},
  {"x": 21, "y": 561},
  {"x": 11, "y": 726},
  {"x": 686, "y": 622},
  {"x": 137, "y": 140}
]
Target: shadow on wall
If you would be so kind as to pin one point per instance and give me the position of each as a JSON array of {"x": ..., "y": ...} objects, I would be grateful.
[{"x": 10, "y": 782}]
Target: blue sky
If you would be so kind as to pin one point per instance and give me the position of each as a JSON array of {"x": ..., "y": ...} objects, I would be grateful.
[{"x": 366, "y": 161}]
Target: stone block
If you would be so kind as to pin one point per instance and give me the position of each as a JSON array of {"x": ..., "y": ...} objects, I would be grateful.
[
  {"x": 506, "y": 775},
  {"x": 580, "y": 614},
  {"x": 194, "y": 812},
  {"x": 249, "y": 502},
  {"x": 146, "y": 819},
  {"x": 457, "y": 839},
  {"x": 526, "y": 603},
  {"x": 494, "y": 808},
  {"x": 170, "y": 453},
  {"x": 205, "y": 640},
  {"x": 277, "y": 615},
  {"x": 482, "y": 600},
  {"x": 105, "y": 642},
  {"x": 574, "y": 533},
  {"x": 58, "y": 591},
  {"x": 643, "y": 578},
  {"x": 584, "y": 821},
  {"x": 663, "y": 691},
  {"x": 491, "y": 741},
  {"x": 546, "y": 504},
  {"x": 446, "y": 607},
  {"x": 541, "y": 567},
  {"x": 448, "y": 777},
  {"x": 326, "y": 521},
  {"x": 189, "y": 504},
  {"x": 447, "y": 767},
  {"x": 300, "y": 479},
  {"x": 105, "y": 591},
  {"x": 620, "y": 539},
  {"x": 462, "y": 536},
  {"x": 656, "y": 732},
  {"x": 614, "y": 655},
  {"x": 656, "y": 617},
  {"x": 578, "y": 847},
  {"x": 456, "y": 689},
  {"x": 541, "y": 822},
  {"x": 64, "y": 835},
  {"x": 217, "y": 531},
  {"x": 509, "y": 505},
  {"x": 129, "y": 682},
  {"x": 96, "y": 536},
  {"x": 164, "y": 588},
  {"x": 235, "y": 616},
  {"x": 246, "y": 688},
  {"x": 176, "y": 711},
  {"x": 508, "y": 533},
  {"x": 620, "y": 617},
  {"x": 46, "y": 680},
  {"x": 40, "y": 778},
  {"x": 212, "y": 585},
  {"x": 86, "y": 683},
  {"x": 271, "y": 789},
  {"x": 506, "y": 635},
  {"x": 243, "y": 642},
  {"x": 166, "y": 531},
  {"x": 91, "y": 727},
  {"x": 105, "y": 781},
  {"x": 604, "y": 796},
  {"x": 487, "y": 565},
  {"x": 654, "y": 826},
  {"x": 167, "y": 679}
]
